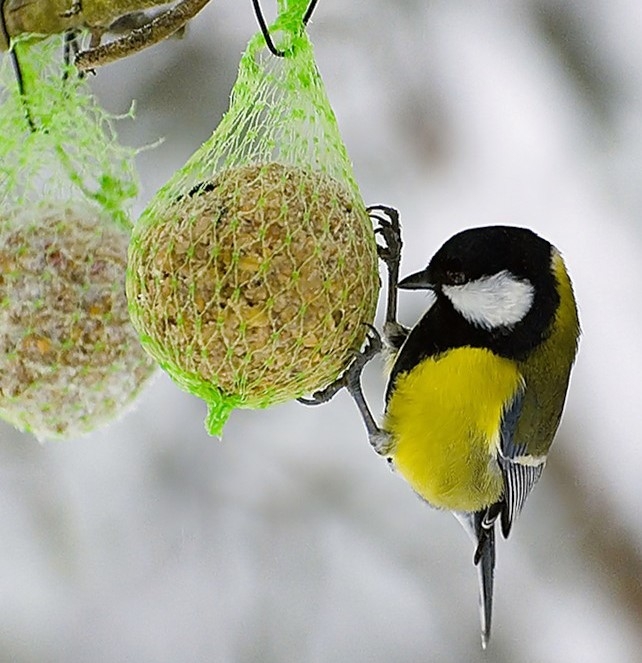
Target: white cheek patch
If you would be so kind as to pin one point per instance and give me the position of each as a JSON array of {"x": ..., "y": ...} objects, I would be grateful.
[{"x": 500, "y": 300}]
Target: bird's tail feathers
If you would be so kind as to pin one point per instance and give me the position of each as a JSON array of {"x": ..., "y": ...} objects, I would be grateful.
[
  {"x": 481, "y": 530},
  {"x": 486, "y": 574}
]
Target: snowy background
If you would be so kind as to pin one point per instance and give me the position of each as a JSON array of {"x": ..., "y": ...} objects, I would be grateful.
[{"x": 290, "y": 541}]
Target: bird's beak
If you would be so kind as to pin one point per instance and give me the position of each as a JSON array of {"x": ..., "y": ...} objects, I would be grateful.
[{"x": 417, "y": 281}]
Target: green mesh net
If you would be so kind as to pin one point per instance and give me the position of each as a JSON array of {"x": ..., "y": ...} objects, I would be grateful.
[
  {"x": 253, "y": 270},
  {"x": 69, "y": 358}
]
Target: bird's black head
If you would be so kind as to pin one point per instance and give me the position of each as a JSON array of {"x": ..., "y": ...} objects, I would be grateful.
[
  {"x": 478, "y": 252},
  {"x": 499, "y": 280}
]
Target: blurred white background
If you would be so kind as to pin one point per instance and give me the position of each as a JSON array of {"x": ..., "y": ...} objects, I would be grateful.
[{"x": 290, "y": 541}]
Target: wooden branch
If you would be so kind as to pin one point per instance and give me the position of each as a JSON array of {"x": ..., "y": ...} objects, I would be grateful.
[{"x": 162, "y": 26}]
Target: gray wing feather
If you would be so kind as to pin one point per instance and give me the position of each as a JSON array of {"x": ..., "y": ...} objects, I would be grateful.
[
  {"x": 519, "y": 480},
  {"x": 519, "y": 477}
]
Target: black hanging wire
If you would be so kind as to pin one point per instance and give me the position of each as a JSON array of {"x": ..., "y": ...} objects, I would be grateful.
[
  {"x": 266, "y": 32},
  {"x": 310, "y": 10},
  {"x": 16, "y": 66}
]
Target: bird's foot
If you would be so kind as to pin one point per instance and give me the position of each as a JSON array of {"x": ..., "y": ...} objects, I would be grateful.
[{"x": 352, "y": 375}]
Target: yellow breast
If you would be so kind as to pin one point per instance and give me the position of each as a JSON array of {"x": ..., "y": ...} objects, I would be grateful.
[{"x": 443, "y": 417}]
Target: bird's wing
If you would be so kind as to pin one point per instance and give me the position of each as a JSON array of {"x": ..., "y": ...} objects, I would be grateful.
[{"x": 519, "y": 469}]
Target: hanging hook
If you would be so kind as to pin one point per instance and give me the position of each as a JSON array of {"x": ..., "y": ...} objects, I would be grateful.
[
  {"x": 310, "y": 10},
  {"x": 266, "y": 32},
  {"x": 16, "y": 66}
]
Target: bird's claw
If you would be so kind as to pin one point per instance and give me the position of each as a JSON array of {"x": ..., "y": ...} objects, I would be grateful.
[
  {"x": 390, "y": 230},
  {"x": 373, "y": 346}
]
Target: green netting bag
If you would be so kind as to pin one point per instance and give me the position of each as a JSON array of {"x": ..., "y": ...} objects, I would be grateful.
[
  {"x": 69, "y": 357},
  {"x": 253, "y": 269}
]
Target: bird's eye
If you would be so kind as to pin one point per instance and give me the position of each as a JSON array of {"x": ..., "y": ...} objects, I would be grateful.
[{"x": 455, "y": 277}]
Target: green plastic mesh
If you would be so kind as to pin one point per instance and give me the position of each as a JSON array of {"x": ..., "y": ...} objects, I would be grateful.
[
  {"x": 70, "y": 359},
  {"x": 253, "y": 270}
]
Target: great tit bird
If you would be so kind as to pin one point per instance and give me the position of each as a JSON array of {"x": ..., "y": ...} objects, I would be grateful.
[{"x": 477, "y": 386}]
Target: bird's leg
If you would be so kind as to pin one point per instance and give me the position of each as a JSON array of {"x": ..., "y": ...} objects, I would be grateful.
[
  {"x": 378, "y": 438},
  {"x": 372, "y": 347},
  {"x": 389, "y": 229},
  {"x": 351, "y": 380}
]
